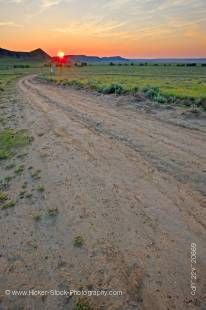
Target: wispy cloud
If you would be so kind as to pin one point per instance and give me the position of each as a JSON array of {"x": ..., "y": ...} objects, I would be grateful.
[
  {"x": 18, "y": 1},
  {"x": 43, "y": 3},
  {"x": 93, "y": 28},
  {"x": 49, "y": 3},
  {"x": 10, "y": 24}
]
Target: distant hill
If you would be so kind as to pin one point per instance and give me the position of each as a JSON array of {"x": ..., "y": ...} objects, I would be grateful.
[
  {"x": 170, "y": 60},
  {"x": 119, "y": 59},
  {"x": 37, "y": 54},
  {"x": 95, "y": 59},
  {"x": 41, "y": 55}
]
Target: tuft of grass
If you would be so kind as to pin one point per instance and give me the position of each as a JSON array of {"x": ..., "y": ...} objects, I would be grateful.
[
  {"x": 29, "y": 195},
  {"x": 53, "y": 212},
  {"x": 11, "y": 140},
  {"x": 4, "y": 154},
  {"x": 82, "y": 304},
  {"x": 19, "y": 169},
  {"x": 78, "y": 241},
  {"x": 112, "y": 89},
  {"x": 37, "y": 217},
  {"x": 3, "y": 196},
  {"x": 9, "y": 204},
  {"x": 40, "y": 188},
  {"x": 22, "y": 194},
  {"x": 36, "y": 174}
]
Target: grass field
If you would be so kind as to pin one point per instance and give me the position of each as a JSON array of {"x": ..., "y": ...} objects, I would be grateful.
[
  {"x": 11, "y": 69},
  {"x": 171, "y": 80},
  {"x": 158, "y": 82}
]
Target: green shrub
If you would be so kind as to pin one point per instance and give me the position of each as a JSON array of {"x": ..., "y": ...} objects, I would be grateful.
[
  {"x": 8, "y": 205},
  {"x": 82, "y": 304},
  {"x": 160, "y": 99},
  {"x": 10, "y": 140},
  {"x": 134, "y": 90},
  {"x": 75, "y": 83},
  {"x": 203, "y": 104},
  {"x": 112, "y": 89},
  {"x": 93, "y": 84},
  {"x": 151, "y": 93},
  {"x": 3, "y": 196},
  {"x": 78, "y": 241},
  {"x": 53, "y": 212}
]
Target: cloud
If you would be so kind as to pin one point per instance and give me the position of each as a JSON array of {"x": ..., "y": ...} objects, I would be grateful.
[
  {"x": 93, "y": 28},
  {"x": 18, "y": 1},
  {"x": 43, "y": 3},
  {"x": 10, "y": 24},
  {"x": 49, "y": 3}
]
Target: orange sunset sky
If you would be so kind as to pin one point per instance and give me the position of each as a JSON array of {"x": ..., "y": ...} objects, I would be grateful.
[{"x": 131, "y": 28}]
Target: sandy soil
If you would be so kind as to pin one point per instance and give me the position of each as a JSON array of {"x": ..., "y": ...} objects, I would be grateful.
[{"x": 131, "y": 183}]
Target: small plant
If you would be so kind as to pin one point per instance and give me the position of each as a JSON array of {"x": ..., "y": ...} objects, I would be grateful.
[
  {"x": 82, "y": 304},
  {"x": 22, "y": 194},
  {"x": 3, "y": 196},
  {"x": 4, "y": 154},
  {"x": 40, "y": 188},
  {"x": 36, "y": 174},
  {"x": 151, "y": 93},
  {"x": 112, "y": 89},
  {"x": 19, "y": 170},
  {"x": 11, "y": 140},
  {"x": 29, "y": 195},
  {"x": 37, "y": 217},
  {"x": 160, "y": 99},
  {"x": 53, "y": 212},
  {"x": 8, "y": 205},
  {"x": 78, "y": 241},
  {"x": 134, "y": 90}
]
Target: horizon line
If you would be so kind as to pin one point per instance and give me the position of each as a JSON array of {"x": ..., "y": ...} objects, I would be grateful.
[{"x": 102, "y": 56}]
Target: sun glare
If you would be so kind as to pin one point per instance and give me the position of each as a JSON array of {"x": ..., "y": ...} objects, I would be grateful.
[{"x": 60, "y": 54}]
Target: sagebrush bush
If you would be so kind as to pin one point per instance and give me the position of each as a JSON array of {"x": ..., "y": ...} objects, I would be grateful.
[
  {"x": 203, "y": 103},
  {"x": 112, "y": 89},
  {"x": 160, "y": 99},
  {"x": 151, "y": 93}
]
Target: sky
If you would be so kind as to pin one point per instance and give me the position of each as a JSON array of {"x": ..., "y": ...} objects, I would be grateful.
[{"x": 130, "y": 28}]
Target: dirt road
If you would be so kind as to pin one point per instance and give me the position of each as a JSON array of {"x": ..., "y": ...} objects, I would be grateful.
[{"x": 130, "y": 184}]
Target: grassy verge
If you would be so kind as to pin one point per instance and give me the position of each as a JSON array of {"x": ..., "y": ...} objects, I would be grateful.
[
  {"x": 10, "y": 140},
  {"x": 148, "y": 92},
  {"x": 10, "y": 69}
]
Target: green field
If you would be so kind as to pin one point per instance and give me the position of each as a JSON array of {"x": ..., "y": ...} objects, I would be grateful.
[
  {"x": 158, "y": 82},
  {"x": 11, "y": 69},
  {"x": 171, "y": 80}
]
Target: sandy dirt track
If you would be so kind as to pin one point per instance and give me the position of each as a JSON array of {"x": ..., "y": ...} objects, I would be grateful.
[{"x": 132, "y": 184}]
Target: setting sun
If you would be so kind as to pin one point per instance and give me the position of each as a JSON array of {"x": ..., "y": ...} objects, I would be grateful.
[{"x": 60, "y": 54}]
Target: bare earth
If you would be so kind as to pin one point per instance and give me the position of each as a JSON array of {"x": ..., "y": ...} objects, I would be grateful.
[{"x": 132, "y": 184}]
